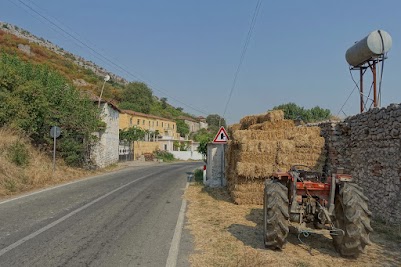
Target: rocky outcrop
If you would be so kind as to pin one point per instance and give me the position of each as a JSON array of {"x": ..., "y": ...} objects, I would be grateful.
[{"x": 100, "y": 71}]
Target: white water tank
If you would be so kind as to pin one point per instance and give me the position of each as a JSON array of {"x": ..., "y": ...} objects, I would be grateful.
[{"x": 375, "y": 44}]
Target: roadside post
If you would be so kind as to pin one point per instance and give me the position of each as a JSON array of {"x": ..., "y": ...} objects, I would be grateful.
[
  {"x": 222, "y": 138},
  {"x": 204, "y": 174},
  {"x": 55, "y": 132}
]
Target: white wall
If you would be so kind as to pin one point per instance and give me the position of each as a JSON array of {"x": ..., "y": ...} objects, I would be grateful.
[
  {"x": 186, "y": 155},
  {"x": 215, "y": 167}
]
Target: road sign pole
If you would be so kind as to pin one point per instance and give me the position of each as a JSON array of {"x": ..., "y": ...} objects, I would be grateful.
[{"x": 54, "y": 153}]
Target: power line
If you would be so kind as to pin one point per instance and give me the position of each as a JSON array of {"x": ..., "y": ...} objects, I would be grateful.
[
  {"x": 244, "y": 49},
  {"x": 104, "y": 58}
]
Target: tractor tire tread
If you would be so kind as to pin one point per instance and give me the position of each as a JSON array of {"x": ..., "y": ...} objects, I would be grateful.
[
  {"x": 352, "y": 210},
  {"x": 276, "y": 217}
]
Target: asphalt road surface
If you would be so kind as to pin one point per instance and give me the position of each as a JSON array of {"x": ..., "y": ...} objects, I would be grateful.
[{"x": 126, "y": 218}]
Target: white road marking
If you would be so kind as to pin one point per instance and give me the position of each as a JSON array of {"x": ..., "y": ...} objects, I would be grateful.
[
  {"x": 175, "y": 243},
  {"x": 47, "y": 227},
  {"x": 53, "y": 187}
]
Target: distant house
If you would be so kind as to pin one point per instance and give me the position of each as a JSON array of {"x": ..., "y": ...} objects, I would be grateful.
[
  {"x": 165, "y": 127},
  {"x": 105, "y": 152},
  {"x": 161, "y": 130},
  {"x": 194, "y": 125}
]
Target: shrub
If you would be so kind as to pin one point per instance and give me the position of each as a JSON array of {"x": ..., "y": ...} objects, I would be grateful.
[
  {"x": 18, "y": 154},
  {"x": 164, "y": 155},
  {"x": 198, "y": 176}
]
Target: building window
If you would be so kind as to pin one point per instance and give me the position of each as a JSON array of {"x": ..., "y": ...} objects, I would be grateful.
[
  {"x": 143, "y": 122},
  {"x": 149, "y": 123},
  {"x": 165, "y": 147},
  {"x": 138, "y": 121},
  {"x": 157, "y": 123},
  {"x": 130, "y": 122},
  {"x": 162, "y": 124},
  {"x": 173, "y": 126},
  {"x": 168, "y": 125}
]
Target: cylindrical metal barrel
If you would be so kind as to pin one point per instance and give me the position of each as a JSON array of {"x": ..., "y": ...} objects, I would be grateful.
[{"x": 375, "y": 44}]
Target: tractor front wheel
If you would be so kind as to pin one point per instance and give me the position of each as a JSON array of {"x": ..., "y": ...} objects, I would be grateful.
[
  {"x": 275, "y": 214},
  {"x": 352, "y": 219}
]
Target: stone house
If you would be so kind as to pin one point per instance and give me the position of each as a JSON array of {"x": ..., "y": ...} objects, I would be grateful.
[{"x": 105, "y": 152}]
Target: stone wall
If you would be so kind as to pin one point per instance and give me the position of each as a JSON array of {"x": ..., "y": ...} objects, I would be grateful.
[
  {"x": 105, "y": 152},
  {"x": 368, "y": 146}
]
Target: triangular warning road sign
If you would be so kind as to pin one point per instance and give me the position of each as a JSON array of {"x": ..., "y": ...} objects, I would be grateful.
[{"x": 221, "y": 136}]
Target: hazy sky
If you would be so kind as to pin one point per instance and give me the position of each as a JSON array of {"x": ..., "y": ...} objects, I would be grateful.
[{"x": 190, "y": 50}]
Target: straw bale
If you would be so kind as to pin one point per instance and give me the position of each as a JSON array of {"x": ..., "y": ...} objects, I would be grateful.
[
  {"x": 249, "y": 187},
  {"x": 284, "y": 159},
  {"x": 232, "y": 128},
  {"x": 248, "y": 121},
  {"x": 248, "y": 135},
  {"x": 269, "y": 147},
  {"x": 286, "y": 147},
  {"x": 268, "y": 125},
  {"x": 271, "y": 116},
  {"x": 274, "y": 116},
  {"x": 309, "y": 141},
  {"x": 257, "y": 158},
  {"x": 252, "y": 170}
]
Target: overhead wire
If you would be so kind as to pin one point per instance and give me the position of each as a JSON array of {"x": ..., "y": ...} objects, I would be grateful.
[
  {"x": 243, "y": 52},
  {"x": 103, "y": 58}
]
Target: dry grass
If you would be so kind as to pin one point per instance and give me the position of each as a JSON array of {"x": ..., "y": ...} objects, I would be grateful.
[
  {"x": 231, "y": 235},
  {"x": 37, "y": 173}
]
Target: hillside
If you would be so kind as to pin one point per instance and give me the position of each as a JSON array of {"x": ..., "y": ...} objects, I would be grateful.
[{"x": 85, "y": 75}]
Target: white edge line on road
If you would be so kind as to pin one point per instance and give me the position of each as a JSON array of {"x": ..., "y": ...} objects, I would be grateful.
[
  {"x": 55, "y": 187},
  {"x": 65, "y": 217},
  {"x": 175, "y": 243}
]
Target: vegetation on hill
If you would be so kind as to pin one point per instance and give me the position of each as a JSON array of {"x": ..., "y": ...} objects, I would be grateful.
[
  {"x": 294, "y": 112},
  {"x": 136, "y": 96},
  {"x": 33, "y": 98}
]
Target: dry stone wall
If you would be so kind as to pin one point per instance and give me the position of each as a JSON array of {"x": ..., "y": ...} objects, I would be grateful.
[{"x": 368, "y": 146}]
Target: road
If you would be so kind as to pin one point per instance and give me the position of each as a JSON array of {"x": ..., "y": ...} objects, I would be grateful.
[{"x": 125, "y": 218}]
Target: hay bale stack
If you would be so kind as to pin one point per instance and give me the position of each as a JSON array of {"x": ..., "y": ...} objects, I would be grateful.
[
  {"x": 263, "y": 144},
  {"x": 271, "y": 116}
]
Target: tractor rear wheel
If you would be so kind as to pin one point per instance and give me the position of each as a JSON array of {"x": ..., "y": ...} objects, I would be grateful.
[
  {"x": 352, "y": 216},
  {"x": 275, "y": 214}
]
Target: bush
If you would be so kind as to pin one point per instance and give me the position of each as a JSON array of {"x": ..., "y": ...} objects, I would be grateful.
[
  {"x": 198, "y": 175},
  {"x": 18, "y": 154},
  {"x": 164, "y": 155}
]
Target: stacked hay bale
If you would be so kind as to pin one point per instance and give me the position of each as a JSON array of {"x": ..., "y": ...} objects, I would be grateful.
[{"x": 266, "y": 143}]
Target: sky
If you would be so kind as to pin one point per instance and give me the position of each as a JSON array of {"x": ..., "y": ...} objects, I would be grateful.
[{"x": 189, "y": 51}]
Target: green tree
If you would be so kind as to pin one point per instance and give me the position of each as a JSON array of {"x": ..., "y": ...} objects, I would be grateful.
[
  {"x": 132, "y": 134},
  {"x": 294, "y": 112},
  {"x": 137, "y": 96},
  {"x": 182, "y": 128},
  {"x": 164, "y": 102},
  {"x": 215, "y": 121}
]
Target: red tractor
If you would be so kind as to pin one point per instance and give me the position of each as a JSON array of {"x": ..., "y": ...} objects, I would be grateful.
[{"x": 303, "y": 196}]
